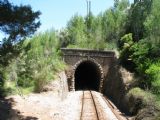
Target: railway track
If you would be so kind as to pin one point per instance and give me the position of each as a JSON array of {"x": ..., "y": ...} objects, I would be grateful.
[
  {"x": 95, "y": 107},
  {"x": 112, "y": 107},
  {"x": 89, "y": 108}
]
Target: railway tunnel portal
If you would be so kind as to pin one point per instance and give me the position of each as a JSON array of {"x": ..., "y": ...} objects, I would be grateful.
[
  {"x": 87, "y": 75},
  {"x": 87, "y": 69}
]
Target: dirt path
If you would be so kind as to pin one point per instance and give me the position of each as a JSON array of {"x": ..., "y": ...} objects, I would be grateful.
[{"x": 43, "y": 106}]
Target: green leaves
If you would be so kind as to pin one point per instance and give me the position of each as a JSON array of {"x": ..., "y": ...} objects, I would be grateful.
[
  {"x": 152, "y": 24},
  {"x": 76, "y": 30},
  {"x": 153, "y": 72},
  {"x": 17, "y": 22},
  {"x": 37, "y": 63},
  {"x": 127, "y": 39},
  {"x": 97, "y": 32},
  {"x": 138, "y": 13},
  {"x": 85, "y": 32},
  {"x": 114, "y": 21},
  {"x": 125, "y": 44},
  {"x": 42, "y": 59}
]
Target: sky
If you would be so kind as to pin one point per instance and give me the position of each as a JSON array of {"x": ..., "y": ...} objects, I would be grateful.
[{"x": 56, "y": 13}]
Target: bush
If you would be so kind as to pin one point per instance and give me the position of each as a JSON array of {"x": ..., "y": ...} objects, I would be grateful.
[
  {"x": 147, "y": 96},
  {"x": 42, "y": 78},
  {"x": 42, "y": 59},
  {"x": 139, "y": 99},
  {"x": 1, "y": 85},
  {"x": 153, "y": 73},
  {"x": 36, "y": 65}
]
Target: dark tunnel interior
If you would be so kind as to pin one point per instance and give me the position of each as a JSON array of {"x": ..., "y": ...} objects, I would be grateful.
[{"x": 87, "y": 76}]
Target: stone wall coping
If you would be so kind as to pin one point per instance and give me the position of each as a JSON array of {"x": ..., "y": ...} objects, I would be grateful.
[{"x": 88, "y": 50}]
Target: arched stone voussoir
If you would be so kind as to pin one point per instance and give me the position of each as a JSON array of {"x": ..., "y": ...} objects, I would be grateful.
[{"x": 94, "y": 62}]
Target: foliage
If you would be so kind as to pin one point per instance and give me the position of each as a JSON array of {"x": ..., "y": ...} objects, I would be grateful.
[
  {"x": 37, "y": 64},
  {"x": 79, "y": 35},
  {"x": 7, "y": 52},
  {"x": 76, "y": 30},
  {"x": 125, "y": 45},
  {"x": 42, "y": 78},
  {"x": 142, "y": 56},
  {"x": 152, "y": 23},
  {"x": 96, "y": 32},
  {"x": 143, "y": 104},
  {"x": 10, "y": 88},
  {"x": 113, "y": 21},
  {"x": 17, "y": 21},
  {"x": 1, "y": 81},
  {"x": 138, "y": 56},
  {"x": 153, "y": 72},
  {"x": 64, "y": 39},
  {"x": 152, "y": 29},
  {"x": 147, "y": 97},
  {"x": 142, "y": 49},
  {"x": 138, "y": 13},
  {"x": 43, "y": 58}
]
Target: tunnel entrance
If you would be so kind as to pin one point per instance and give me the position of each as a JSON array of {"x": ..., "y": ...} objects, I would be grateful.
[{"x": 87, "y": 76}]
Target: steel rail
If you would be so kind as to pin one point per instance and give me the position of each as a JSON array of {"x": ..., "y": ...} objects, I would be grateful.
[
  {"x": 112, "y": 108},
  {"x": 93, "y": 101},
  {"x": 95, "y": 105}
]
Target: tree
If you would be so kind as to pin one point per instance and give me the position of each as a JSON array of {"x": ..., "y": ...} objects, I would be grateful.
[
  {"x": 138, "y": 13},
  {"x": 76, "y": 30},
  {"x": 17, "y": 21},
  {"x": 114, "y": 20},
  {"x": 152, "y": 24}
]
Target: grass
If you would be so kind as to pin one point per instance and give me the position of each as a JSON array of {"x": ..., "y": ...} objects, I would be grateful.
[
  {"x": 12, "y": 89},
  {"x": 158, "y": 100},
  {"x": 144, "y": 104},
  {"x": 146, "y": 96}
]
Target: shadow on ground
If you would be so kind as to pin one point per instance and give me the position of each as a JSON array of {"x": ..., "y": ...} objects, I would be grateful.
[{"x": 8, "y": 113}]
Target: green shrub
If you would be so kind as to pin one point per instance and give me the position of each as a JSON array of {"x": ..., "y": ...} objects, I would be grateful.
[
  {"x": 42, "y": 59},
  {"x": 42, "y": 78},
  {"x": 153, "y": 73},
  {"x": 125, "y": 44},
  {"x": 147, "y": 97},
  {"x": 25, "y": 81},
  {"x": 141, "y": 56},
  {"x": 139, "y": 99},
  {"x": 144, "y": 104},
  {"x": 10, "y": 88},
  {"x": 36, "y": 65}
]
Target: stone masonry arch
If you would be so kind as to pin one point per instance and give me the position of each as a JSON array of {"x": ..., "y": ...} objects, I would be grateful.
[
  {"x": 93, "y": 61},
  {"x": 102, "y": 61}
]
